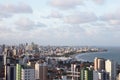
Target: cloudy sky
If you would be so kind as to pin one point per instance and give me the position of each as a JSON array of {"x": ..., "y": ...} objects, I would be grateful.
[{"x": 60, "y": 22}]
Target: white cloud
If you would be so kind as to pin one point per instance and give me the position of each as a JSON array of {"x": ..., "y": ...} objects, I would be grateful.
[
  {"x": 99, "y": 1},
  {"x": 5, "y": 15},
  {"x": 111, "y": 18},
  {"x": 65, "y": 4},
  {"x": 114, "y": 22},
  {"x": 12, "y": 8},
  {"x": 27, "y": 24},
  {"x": 82, "y": 17},
  {"x": 8, "y": 10},
  {"x": 4, "y": 29},
  {"x": 55, "y": 14},
  {"x": 68, "y": 4}
]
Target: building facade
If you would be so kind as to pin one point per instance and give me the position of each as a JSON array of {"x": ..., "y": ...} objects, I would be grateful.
[
  {"x": 99, "y": 64},
  {"x": 110, "y": 67},
  {"x": 86, "y": 74},
  {"x": 41, "y": 71},
  {"x": 18, "y": 72},
  {"x": 27, "y": 73}
]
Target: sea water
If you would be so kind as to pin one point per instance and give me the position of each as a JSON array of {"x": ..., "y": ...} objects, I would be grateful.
[{"x": 113, "y": 53}]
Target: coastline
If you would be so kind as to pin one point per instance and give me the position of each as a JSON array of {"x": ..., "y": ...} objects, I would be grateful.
[{"x": 74, "y": 56}]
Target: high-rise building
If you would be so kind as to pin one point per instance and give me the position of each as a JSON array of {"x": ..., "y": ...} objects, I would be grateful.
[
  {"x": 2, "y": 75},
  {"x": 86, "y": 74},
  {"x": 73, "y": 67},
  {"x": 99, "y": 64},
  {"x": 103, "y": 75},
  {"x": 75, "y": 71},
  {"x": 1, "y": 50},
  {"x": 95, "y": 75},
  {"x": 14, "y": 52},
  {"x": 96, "y": 64},
  {"x": 3, "y": 47},
  {"x": 41, "y": 70},
  {"x": 10, "y": 72},
  {"x": 100, "y": 75},
  {"x": 110, "y": 67},
  {"x": 27, "y": 73},
  {"x": 10, "y": 69},
  {"x": 24, "y": 72},
  {"x": 18, "y": 72}
]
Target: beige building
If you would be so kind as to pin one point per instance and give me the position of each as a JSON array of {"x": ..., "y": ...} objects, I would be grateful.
[
  {"x": 14, "y": 52},
  {"x": 99, "y": 64},
  {"x": 41, "y": 71}
]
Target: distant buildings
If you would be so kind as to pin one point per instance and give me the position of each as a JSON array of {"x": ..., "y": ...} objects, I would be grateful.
[{"x": 33, "y": 62}]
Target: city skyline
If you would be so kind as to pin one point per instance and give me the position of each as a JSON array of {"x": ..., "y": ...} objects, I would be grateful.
[{"x": 60, "y": 22}]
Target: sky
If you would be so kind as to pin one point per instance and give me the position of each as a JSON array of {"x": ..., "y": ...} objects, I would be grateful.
[{"x": 60, "y": 22}]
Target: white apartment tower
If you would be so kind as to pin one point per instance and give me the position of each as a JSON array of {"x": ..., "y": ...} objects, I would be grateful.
[
  {"x": 27, "y": 73},
  {"x": 110, "y": 67}
]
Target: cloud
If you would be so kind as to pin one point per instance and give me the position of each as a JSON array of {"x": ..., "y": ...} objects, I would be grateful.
[
  {"x": 12, "y": 8},
  {"x": 8, "y": 10},
  {"x": 66, "y": 4},
  {"x": 99, "y": 1},
  {"x": 39, "y": 24},
  {"x": 114, "y": 22},
  {"x": 55, "y": 14},
  {"x": 27, "y": 24},
  {"x": 82, "y": 17},
  {"x": 5, "y": 15},
  {"x": 4, "y": 29},
  {"x": 111, "y": 18}
]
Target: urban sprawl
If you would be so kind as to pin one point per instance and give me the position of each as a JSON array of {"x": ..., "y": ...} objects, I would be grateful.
[{"x": 34, "y": 62}]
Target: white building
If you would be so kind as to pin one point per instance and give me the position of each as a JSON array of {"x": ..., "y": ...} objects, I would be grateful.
[
  {"x": 73, "y": 67},
  {"x": 37, "y": 71},
  {"x": 27, "y": 73},
  {"x": 95, "y": 75},
  {"x": 110, "y": 67},
  {"x": 100, "y": 75}
]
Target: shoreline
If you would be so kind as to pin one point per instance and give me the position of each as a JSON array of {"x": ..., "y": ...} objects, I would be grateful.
[{"x": 76, "y": 54}]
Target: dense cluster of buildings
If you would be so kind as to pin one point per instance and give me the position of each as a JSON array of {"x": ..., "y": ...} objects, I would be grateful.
[{"x": 33, "y": 62}]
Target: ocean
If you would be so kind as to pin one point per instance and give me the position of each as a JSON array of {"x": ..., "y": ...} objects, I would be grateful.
[{"x": 113, "y": 53}]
